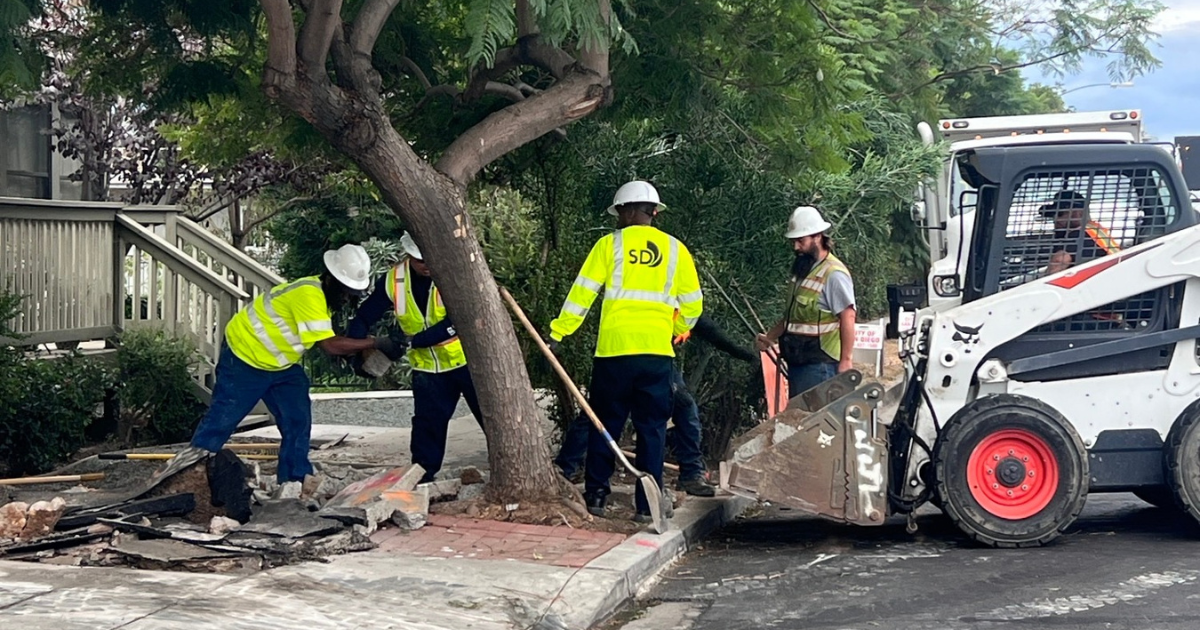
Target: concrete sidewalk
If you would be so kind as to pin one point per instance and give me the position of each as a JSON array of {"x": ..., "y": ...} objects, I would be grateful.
[{"x": 454, "y": 573}]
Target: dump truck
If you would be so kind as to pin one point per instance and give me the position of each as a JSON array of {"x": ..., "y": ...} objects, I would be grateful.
[{"x": 1053, "y": 368}]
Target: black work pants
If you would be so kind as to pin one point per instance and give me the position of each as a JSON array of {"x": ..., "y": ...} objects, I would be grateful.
[
  {"x": 435, "y": 397},
  {"x": 636, "y": 387}
]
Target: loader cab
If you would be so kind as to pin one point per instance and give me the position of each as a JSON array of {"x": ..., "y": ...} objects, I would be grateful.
[{"x": 1040, "y": 210}]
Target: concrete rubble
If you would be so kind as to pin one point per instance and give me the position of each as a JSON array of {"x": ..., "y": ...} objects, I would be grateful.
[{"x": 220, "y": 514}]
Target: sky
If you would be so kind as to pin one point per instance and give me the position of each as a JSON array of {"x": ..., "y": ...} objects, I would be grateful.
[{"x": 1169, "y": 97}]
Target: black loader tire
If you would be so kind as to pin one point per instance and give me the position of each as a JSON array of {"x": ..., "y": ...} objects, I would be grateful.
[{"x": 1011, "y": 471}]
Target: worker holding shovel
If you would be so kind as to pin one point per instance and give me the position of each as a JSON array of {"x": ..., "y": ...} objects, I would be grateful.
[{"x": 645, "y": 275}]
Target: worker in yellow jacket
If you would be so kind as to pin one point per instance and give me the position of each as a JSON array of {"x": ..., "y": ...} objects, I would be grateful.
[
  {"x": 260, "y": 360},
  {"x": 439, "y": 367},
  {"x": 645, "y": 275}
]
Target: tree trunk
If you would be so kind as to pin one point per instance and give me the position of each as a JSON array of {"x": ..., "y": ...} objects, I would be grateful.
[{"x": 434, "y": 207}]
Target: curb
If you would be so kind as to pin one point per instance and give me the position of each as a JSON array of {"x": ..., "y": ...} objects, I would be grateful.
[{"x": 615, "y": 578}]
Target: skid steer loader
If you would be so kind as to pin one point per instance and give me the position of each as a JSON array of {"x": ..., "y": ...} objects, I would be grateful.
[{"x": 1070, "y": 366}]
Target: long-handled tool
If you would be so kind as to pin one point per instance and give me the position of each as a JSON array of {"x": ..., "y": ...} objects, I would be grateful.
[
  {"x": 775, "y": 358},
  {"x": 29, "y": 481},
  {"x": 649, "y": 486},
  {"x": 165, "y": 456}
]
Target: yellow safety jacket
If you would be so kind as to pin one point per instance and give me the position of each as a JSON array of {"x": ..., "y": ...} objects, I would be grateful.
[
  {"x": 278, "y": 326},
  {"x": 646, "y": 274},
  {"x": 443, "y": 357},
  {"x": 807, "y": 318}
]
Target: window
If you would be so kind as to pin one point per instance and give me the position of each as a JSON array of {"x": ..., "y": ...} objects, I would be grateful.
[
  {"x": 1065, "y": 218},
  {"x": 25, "y": 158}
]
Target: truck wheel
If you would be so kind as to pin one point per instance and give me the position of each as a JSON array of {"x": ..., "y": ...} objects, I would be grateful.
[
  {"x": 1183, "y": 461},
  {"x": 1011, "y": 471}
]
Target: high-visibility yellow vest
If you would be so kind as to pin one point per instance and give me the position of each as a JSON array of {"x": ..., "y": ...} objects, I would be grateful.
[
  {"x": 1101, "y": 237},
  {"x": 443, "y": 357},
  {"x": 807, "y": 318},
  {"x": 646, "y": 274},
  {"x": 273, "y": 331}
]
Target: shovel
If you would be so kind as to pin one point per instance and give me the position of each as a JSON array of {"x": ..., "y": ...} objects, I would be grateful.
[{"x": 649, "y": 486}]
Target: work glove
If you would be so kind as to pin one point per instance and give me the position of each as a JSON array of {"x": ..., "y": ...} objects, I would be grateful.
[
  {"x": 392, "y": 347},
  {"x": 554, "y": 345}
]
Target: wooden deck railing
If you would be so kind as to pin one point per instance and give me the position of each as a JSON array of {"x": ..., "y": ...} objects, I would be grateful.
[{"x": 88, "y": 271}]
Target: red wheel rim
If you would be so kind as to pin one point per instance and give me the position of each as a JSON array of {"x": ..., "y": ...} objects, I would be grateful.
[{"x": 1013, "y": 474}]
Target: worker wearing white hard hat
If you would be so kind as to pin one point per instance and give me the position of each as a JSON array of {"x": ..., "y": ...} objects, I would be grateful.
[
  {"x": 440, "y": 376},
  {"x": 260, "y": 360},
  {"x": 816, "y": 333},
  {"x": 645, "y": 274}
]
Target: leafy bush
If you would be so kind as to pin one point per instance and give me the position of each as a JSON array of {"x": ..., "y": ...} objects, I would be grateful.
[
  {"x": 155, "y": 389},
  {"x": 45, "y": 404}
]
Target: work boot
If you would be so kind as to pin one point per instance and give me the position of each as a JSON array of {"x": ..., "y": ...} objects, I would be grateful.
[
  {"x": 595, "y": 503},
  {"x": 696, "y": 486}
]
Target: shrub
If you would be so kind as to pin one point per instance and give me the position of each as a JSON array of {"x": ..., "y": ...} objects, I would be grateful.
[
  {"x": 45, "y": 408},
  {"x": 155, "y": 390}
]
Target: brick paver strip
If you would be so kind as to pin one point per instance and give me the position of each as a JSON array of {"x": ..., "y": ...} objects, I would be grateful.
[{"x": 449, "y": 536}]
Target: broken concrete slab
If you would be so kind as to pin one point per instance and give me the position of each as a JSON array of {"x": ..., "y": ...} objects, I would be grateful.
[
  {"x": 290, "y": 519},
  {"x": 368, "y": 490},
  {"x": 167, "y": 505},
  {"x": 41, "y": 518},
  {"x": 442, "y": 489},
  {"x": 411, "y": 508},
  {"x": 222, "y": 525},
  {"x": 165, "y": 551},
  {"x": 472, "y": 491},
  {"x": 12, "y": 519}
]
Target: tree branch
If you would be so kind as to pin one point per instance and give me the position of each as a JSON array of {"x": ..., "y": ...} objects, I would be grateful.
[
  {"x": 415, "y": 71},
  {"x": 279, "y": 73},
  {"x": 271, "y": 215},
  {"x": 368, "y": 24},
  {"x": 577, "y": 95},
  {"x": 322, "y": 19},
  {"x": 526, "y": 20}
]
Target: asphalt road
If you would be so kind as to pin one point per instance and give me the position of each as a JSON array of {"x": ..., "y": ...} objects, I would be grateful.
[{"x": 1124, "y": 564}]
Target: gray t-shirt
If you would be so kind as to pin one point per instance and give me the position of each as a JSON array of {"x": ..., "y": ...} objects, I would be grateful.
[{"x": 838, "y": 294}]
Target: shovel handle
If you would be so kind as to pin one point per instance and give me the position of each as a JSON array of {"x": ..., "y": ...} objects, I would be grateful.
[{"x": 566, "y": 378}]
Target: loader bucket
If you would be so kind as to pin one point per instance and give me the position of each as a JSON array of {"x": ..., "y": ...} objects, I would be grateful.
[{"x": 829, "y": 460}]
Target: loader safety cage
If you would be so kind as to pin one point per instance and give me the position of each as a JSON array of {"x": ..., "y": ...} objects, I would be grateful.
[{"x": 1066, "y": 206}]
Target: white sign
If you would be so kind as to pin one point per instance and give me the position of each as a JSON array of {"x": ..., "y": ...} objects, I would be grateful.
[
  {"x": 868, "y": 336},
  {"x": 907, "y": 320}
]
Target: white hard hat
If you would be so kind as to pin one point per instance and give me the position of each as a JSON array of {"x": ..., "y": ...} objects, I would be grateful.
[
  {"x": 636, "y": 191},
  {"x": 806, "y": 221},
  {"x": 351, "y": 265},
  {"x": 410, "y": 246}
]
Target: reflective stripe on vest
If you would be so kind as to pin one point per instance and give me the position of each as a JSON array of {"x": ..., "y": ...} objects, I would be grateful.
[
  {"x": 616, "y": 290},
  {"x": 441, "y": 358},
  {"x": 805, "y": 315},
  {"x": 260, "y": 329}
]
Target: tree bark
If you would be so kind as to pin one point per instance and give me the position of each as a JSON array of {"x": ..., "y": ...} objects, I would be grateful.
[{"x": 432, "y": 201}]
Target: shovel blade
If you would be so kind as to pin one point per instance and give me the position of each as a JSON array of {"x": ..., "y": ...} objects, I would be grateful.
[{"x": 654, "y": 498}]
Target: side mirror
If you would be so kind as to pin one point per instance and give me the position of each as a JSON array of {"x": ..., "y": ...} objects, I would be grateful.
[{"x": 918, "y": 212}]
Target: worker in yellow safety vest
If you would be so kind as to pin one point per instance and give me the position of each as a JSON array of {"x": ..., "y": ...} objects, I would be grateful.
[
  {"x": 645, "y": 275},
  {"x": 440, "y": 375},
  {"x": 260, "y": 360},
  {"x": 816, "y": 334},
  {"x": 1077, "y": 238}
]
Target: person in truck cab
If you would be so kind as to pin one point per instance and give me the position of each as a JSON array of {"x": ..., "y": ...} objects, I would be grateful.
[{"x": 1080, "y": 238}]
